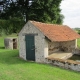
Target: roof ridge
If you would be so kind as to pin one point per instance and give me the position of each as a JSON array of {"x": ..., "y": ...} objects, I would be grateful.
[{"x": 47, "y": 23}]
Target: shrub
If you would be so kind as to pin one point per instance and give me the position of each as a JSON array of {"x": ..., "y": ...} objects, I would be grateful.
[{"x": 13, "y": 25}]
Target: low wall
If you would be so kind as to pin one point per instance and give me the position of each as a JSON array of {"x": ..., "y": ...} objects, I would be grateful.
[
  {"x": 76, "y": 51},
  {"x": 67, "y": 64}
]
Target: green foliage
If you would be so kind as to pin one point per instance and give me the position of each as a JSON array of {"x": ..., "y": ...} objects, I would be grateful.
[
  {"x": 78, "y": 43},
  {"x": 79, "y": 31},
  {"x": 46, "y": 11},
  {"x": 13, "y": 25},
  {"x": 14, "y": 68},
  {"x": 40, "y": 10},
  {"x": 15, "y": 13},
  {"x": 77, "y": 28}
]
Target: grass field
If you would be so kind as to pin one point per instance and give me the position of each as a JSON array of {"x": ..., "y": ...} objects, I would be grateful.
[
  {"x": 78, "y": 41},
  {"x": 14, "y": 68}
]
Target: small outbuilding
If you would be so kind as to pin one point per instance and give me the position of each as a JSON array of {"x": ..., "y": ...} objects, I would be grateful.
[
  {"x": 11, "y": 43},
  {"x": 38, "y": 40}
]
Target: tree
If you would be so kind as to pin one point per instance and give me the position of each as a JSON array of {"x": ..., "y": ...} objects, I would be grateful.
[
  {"x": 40, "y": 10},
  {"x": 14, "y": 8},
  {"x": 9, "y": 9},
  {"x": 46, "y": 11}
]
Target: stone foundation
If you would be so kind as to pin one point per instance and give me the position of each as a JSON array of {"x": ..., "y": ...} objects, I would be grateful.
[{"x": 67, "y": 64}]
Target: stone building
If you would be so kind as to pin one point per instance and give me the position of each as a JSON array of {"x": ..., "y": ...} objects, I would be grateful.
[
  {"x": 38, "y": 40},
  {"x": 11, "y": 43}
]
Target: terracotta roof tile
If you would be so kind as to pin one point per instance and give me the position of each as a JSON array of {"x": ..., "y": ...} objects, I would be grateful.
[{"x": 56, "y": 32}]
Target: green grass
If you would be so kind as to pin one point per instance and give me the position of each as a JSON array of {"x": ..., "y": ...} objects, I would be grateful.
[
  {"x": 78, "y": 42},
  {"x": 14, "y": 68}
]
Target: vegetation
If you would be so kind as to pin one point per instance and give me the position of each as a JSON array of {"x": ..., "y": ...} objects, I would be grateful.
[
  {"x": 14, "y": 13},
  {"x": 78, "y": 41},
  {"x": 13, "y": 25},
  {"x": 77, "y": 30},
  {"x": 14, "y": 68},
  {"x": 39, "y": 10}
]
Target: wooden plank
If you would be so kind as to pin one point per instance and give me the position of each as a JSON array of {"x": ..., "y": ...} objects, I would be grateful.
[{"x": 30, "y": 34}]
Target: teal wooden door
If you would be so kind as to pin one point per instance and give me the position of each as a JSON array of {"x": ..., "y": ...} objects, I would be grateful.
[{"x": 30, "y": 47}]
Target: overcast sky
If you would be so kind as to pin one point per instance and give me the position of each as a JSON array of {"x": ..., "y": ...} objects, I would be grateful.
[{"x": 71, "y": 11}]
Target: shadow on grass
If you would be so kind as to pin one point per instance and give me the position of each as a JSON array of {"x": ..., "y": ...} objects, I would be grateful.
[
  {"x": 2, "y": 47},
  {"x": 11, "y": 57}
]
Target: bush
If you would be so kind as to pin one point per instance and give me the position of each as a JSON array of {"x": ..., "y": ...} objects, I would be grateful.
[
  {"x": 13, "y": 25},
  {"x": 78, "y": 31}
]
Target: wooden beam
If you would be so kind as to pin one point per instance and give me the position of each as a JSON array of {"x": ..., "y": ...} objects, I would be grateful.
[{"x": 31, "y": 34}]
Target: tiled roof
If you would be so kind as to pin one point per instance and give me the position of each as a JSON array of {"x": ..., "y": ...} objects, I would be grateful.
[{"x": 56, "y": 32}]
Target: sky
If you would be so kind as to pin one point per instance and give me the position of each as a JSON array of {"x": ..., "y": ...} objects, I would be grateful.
[{"x": 71, "y": 12}]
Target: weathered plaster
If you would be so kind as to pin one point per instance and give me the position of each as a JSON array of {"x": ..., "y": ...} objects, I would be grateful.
[{"x": 67, "y": 46}]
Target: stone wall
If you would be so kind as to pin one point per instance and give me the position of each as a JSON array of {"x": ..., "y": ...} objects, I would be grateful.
[
  {"x": 67, "y": 46},
  {"x": 53, "y": 47},
  {"x": 67, "y": 64},
  {"x": 11, "y": 43},
  {"x": 76, "y": 51},
  {"x": 41, "y": 46}
]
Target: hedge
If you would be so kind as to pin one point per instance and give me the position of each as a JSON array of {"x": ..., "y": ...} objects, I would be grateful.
[{"x": 11, "y": 26}]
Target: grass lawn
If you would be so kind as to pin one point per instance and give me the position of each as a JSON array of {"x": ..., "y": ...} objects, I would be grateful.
[
  {"x": 78, "y": 42},
  {"x": 14, "y": 68}
]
